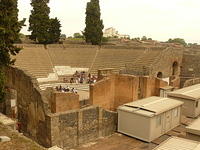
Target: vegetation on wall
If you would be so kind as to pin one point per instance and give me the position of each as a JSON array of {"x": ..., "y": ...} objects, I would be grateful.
[
  {"x": 177, "y": 40},
  {"x": 9, "y": 33},
  {"x": 43, "y": 29},
  {"x": 94, "y": 25}
]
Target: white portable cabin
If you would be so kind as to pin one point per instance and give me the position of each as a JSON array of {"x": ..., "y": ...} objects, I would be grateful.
[
  {"x": 191, "y": 98},
  {"x": 149, "y": 118},
  {"x": 193, "y": 130},
  {"x": 176, "y": 143}
]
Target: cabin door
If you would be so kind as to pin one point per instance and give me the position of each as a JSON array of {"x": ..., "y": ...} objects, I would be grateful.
[{"x": 168, "y": 121}]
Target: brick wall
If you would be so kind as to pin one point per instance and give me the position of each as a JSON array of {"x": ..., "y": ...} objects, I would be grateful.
[
  {"x": 150, "y": 86},
  {"x": 61, "y": 102},
  {"x": 126, "y": 89},
  {"x": 117, "y": 90}
]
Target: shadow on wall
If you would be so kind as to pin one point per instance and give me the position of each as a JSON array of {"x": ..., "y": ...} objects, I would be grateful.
[{"x": 117, "y": 90}]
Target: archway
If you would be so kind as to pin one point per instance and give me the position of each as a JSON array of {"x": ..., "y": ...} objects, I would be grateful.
[
  {"x": 175, "y": 68},
  {"x": 159, "y": 75}
]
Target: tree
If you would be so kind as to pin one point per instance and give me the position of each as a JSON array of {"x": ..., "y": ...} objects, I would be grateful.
[
  {"x": 144, "y": 38},
  {"x": 9, "y": 33},
  {"x": 78, "y": 35},
  {"x": 54, "y": 30},
  {"x": 39, "y": 21},
  {"x": 177, "y": 40},
  {"x": 94, "y": 25}
]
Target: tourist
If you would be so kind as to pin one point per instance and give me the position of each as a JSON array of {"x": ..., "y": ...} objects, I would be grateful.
[
  {"x": 76, "y": 91},
  {"x": 60, "y": 88},
  {"x": 67, "y": 89},
  {"x": 57, "y": 89}
]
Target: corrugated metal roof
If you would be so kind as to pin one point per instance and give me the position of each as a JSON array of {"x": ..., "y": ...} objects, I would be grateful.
[
  {"x": 151, "y": 106},
  {"x": 175, "y": 143},
  {"x": 191, "y": 92},
  {"x": 194, "y": 127}
]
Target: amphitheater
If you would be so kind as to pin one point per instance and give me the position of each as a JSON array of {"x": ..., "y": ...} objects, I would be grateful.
[
  {"x": 46, "y": 63},
  {"x": 70, "y": 120}
]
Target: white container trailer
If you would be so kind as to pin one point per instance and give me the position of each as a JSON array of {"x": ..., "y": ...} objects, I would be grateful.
[
  {"x": 191, "y": 98},
  {"x": 193, "y": 130},
  {"x": 175, "y": 143},
  {"x": 149, "y": 118}
]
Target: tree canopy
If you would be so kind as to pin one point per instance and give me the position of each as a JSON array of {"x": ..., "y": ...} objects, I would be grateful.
[
  {"x": 78, "y": 35},
  {"x": 54, "y": 30},
  {"x": 177, "y": 40},
  {"x": 43, "y": 29},
  {"x": 9, "y": 33},
  {"x": 94, "y": 25}
]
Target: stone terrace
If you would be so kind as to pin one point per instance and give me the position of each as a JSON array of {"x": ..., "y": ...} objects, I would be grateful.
[{"x": 39, "y": 61}]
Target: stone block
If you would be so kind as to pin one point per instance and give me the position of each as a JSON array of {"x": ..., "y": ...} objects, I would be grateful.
[
  {"x": 55, "y": 148},
  {"x": 4, "y": 139}
]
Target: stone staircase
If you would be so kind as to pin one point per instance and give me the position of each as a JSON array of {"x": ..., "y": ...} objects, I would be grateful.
[
  {"x": 35, "y": 61},
  {"x": 144, "y": 63}
]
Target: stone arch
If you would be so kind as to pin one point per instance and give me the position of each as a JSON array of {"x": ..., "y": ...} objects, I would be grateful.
[
  {"x": 160, "y": 75},
  {"x": 175, "y": 68}
]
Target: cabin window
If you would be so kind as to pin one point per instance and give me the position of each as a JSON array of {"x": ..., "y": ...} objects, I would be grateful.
[
  {"x": 176, "y": 112},
  {"x": 197, "y": 104},
  {"x": 158, "y": 121}
]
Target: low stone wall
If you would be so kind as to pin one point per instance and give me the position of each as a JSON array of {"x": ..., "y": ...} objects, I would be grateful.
[{"x": 73, "y": 128}]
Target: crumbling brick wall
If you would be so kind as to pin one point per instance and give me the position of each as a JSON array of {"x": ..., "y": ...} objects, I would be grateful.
[
  {"x": 114, "y": 91},
  {"x": 117, "y": 90}
]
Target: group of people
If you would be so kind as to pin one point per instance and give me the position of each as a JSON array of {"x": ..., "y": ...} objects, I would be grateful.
[
  {"x": 91, "y": 79},
  {"x": 81, "y": 78},
  {"x": 66, "y": 89}
]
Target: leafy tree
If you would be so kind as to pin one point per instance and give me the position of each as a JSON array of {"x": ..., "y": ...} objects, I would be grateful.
[
  {"x": 144, "y": 38},
  {"x": 94, "y": 25},
  {"x": 63, "y": 36},
  {"x": 43, "y": 29},
  {"x": 54, "y": 30},
  {"x": 177, "y": 40},
  {"x": 9, "y": 33},
  {"x": 78, "y": 35},
  {"x": 39, "y": 21},
  {"x": 105, "y": 39}
]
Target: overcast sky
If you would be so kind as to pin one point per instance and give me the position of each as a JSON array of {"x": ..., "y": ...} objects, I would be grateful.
[{"x": 158, "y": 19}]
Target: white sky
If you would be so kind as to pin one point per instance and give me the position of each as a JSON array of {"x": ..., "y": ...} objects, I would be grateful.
[{"x": 158, "y": 19}]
